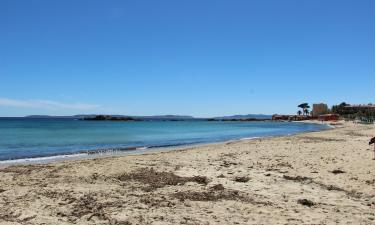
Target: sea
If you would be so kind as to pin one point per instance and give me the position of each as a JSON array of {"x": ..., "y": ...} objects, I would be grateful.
[{"x": 25, "y": 139}]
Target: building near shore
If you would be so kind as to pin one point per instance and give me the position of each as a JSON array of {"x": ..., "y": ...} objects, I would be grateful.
[
  {"x": 329, "y": 117},
  {"x": 349, "y": 109},
  {"x": 320, "y": 109}
]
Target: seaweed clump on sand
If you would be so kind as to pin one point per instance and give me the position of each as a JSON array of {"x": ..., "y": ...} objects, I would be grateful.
[
  {"x": 241, "y": 179},
  {"x": 154, "y": 179},
  {"x": 26, "y": 169},
  {"x": 217, "y": 187},
  {"x": 305, "y": 202},
  {"x": 337, "y": 171},
  {"x": 213, "y": 196},
  {"x": 217, "y": 193},
  {"x": 297, "y": 178},
  {"x": 88, "y": 206}
]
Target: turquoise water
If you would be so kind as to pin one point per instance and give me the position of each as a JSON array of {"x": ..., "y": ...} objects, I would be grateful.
[{"x": 30, "y": 138}]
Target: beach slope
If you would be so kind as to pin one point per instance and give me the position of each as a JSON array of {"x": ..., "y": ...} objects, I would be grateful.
[{"x": 324, "y": 177}]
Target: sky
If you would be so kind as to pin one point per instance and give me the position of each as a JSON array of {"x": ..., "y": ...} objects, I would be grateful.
[{"x": 198, "y": 57}]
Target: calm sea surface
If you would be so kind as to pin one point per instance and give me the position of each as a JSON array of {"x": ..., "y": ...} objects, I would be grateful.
[{"x": 30, "y": 138}]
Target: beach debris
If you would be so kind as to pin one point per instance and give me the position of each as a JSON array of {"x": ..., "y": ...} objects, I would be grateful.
[
  {"x": 26, "y": 169},
  {"x": 355, "y": 134},
  {"x": 337, "y": 171},
  {"x": 370, "y": 182},
  {"x": 221, "y": 176},
  {"x": 2, "y": 190},
  {"x": 95, "y": 176},
  {"x": 199, "y": 180},
  {"x": 117, "y": 222},
  {"x": 331, "y": 187},
  {"x": 217, "y": 195},
  {"x": 85, "y": 207},
  {"x": 328, "y": 187},
  {"x": 241, "y": 179},
  {"x": 285, "y": 164},
  {"x": 152, "y": 201},
  {"x": 217, "y": 187},
  {"x": 155, "y": 179},
  {"x": 206, "y": 196},
  {"x": 88, "y": 205},
  {"x": 305, "y": 202},
  {"x": 297, "y": 178},
  {"x": 310, "y": 139},
  {"x": 228, "y": 164},
  {"x": 308, "y": 180}
]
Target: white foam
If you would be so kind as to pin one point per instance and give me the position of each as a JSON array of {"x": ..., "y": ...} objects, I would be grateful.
[
  {"x": 249, "y": 138},
  {"x": 41, "y": 159}
]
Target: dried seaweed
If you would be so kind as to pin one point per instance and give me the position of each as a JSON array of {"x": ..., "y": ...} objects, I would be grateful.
[{"x": 155, "y": 179}]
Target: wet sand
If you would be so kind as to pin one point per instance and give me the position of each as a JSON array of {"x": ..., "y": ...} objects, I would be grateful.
[{"x": 325, "y": 177}]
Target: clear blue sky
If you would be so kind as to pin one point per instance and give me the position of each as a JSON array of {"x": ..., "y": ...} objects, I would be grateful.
[{"x": 201, "y": 58}]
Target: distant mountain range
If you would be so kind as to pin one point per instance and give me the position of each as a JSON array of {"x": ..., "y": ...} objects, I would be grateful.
[
  {"x": 244, "y": 117},
  {"x": 159, "y": 117},
  {"x": 54, "y": 117}
]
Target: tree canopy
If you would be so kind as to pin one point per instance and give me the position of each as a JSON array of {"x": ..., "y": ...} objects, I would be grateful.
[{"x": 305, "y": 108}]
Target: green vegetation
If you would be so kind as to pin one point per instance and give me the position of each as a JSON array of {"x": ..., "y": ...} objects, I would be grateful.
[
  {"x": 364, "y": 113},
  {"x": 305, "y": 108},
  {"x": 339, "y": 109}
]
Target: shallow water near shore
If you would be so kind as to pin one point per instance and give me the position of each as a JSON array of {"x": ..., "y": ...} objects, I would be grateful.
[{"x": 39, "y": 138}]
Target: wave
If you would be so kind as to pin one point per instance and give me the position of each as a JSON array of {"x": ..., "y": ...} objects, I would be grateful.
[
  {"x": 86, "y": 154},
  {"x": 249, "y": 138},
  {"x": 41, "y": 158}
]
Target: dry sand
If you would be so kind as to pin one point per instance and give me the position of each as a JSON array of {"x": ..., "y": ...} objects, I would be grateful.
[{"x": 324, "y": 177}]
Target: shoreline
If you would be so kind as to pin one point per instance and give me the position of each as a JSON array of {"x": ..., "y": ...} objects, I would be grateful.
[
  {"x": 324, "y": 177},
  {"x": 126, "y": 151}
]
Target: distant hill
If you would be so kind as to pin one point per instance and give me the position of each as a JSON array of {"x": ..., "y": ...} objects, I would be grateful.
[
  {"x": 164, "y": 117},
  {"x": 248, "y": 116},
  {"x": 50, "y": 117},
  {"x": 158, "y": 117},
  {"x": 82, "y": 116}
]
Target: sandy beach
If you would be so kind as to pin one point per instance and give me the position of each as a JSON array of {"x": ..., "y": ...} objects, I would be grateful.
[{"x": 325, "y": 177}]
